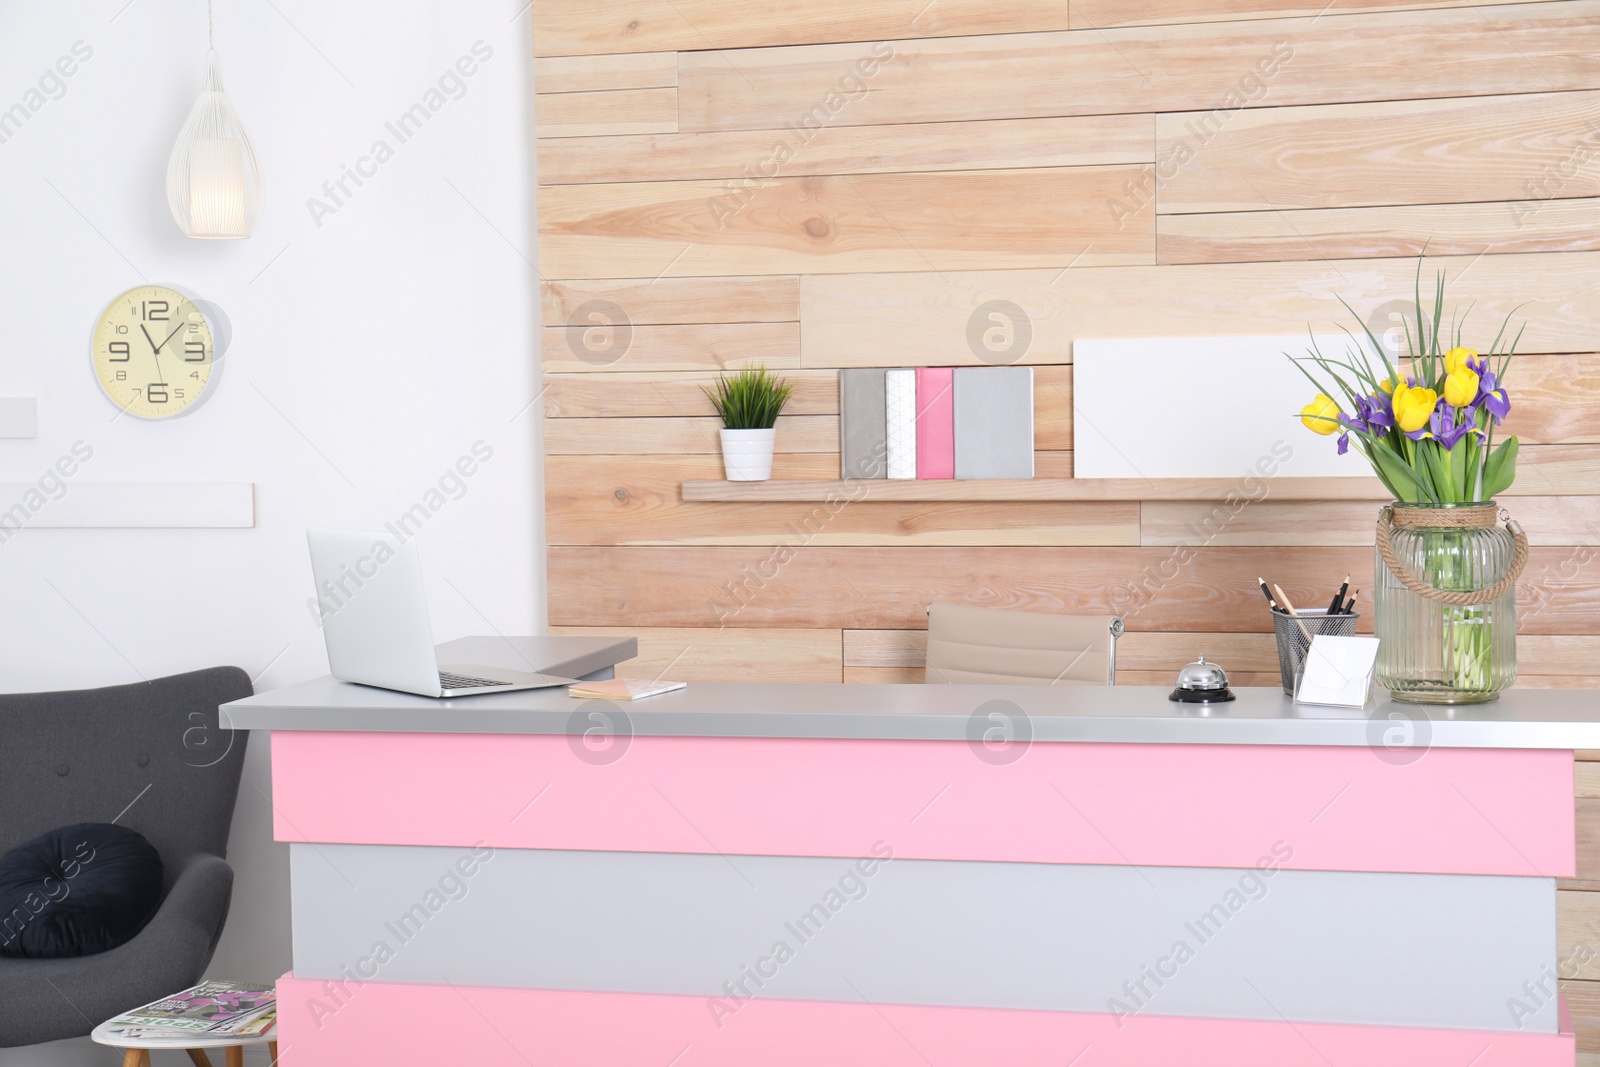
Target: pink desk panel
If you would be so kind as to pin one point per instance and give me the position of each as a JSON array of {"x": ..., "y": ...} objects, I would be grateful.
[
  {"x": 1453, "y": 811},
  {"x": 396, "y": 1025}
]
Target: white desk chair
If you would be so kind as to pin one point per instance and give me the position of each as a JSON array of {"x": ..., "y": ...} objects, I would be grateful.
[{"x": 975, "y": 645}]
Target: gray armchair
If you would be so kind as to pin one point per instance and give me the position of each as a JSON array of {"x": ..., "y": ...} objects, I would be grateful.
[{"x": 150, "y": 757}]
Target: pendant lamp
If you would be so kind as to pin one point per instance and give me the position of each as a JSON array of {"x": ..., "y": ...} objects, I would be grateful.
[{"x": 214, "y": 183}]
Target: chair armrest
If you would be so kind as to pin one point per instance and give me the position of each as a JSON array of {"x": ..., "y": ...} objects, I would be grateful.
[
  {"x": 72, "y": 994},
  {"x": 197, "y": 904}
]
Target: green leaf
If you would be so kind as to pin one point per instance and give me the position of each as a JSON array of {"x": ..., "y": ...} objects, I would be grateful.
[
  {"x": 1367, "y": 450},
  {"x": 1422, "y": 323},
  {"x": 1357, "y": 362},
  {"x": 1501, "y": 469},
  {"x": 1383, "y": 353},
  {"x": 1483, "y": 457},
  {"x": 1506, "y": 363},
  {"x": 1457, "y": 457},
  {"x": 1438, "y": 312},
  {"x": 1349, "y": 391},
  {"x": 1438, "y": 465},
  {"x": 1462, "y": 322},
  {"x": 1472, "y": 445},
  {"x": 751, "y": 399},
  {"x": 1500, "y": 336},
  {"x": 1397, "y": 474},
  {"x": 1323, "y": 389}
]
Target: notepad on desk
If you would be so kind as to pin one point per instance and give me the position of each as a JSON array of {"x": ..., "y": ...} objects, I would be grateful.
[{"x": 621, "y": 689}]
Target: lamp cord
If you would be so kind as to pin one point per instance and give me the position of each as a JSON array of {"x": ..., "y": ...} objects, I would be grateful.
[{"x": 211, "y": 32}]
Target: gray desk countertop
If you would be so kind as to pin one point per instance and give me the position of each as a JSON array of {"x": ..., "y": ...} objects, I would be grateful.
[{"x": 1529, "y": 718}]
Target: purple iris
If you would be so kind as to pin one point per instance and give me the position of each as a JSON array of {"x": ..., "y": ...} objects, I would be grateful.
[
  {"x": 1373, "y": 415},
  {"x": 1446, "y": 430},
  {"x": 1495, "y": 400},
  {"x": 1378, "y": 411}
]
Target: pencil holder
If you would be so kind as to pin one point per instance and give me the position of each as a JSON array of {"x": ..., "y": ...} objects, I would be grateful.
[{"x": 1293, "y": 644}]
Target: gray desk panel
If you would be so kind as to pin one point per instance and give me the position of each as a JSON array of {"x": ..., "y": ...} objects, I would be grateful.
[
  {"x": 1397, "y": 949},
  {"x": 1529, "y": 718}
]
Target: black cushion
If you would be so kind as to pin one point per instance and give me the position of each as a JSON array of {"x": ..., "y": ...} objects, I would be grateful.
[{"x": 76, "y": 891}]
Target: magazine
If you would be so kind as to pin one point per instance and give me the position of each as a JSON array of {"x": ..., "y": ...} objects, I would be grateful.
[
  {"x": 248, "y": 1027},
  {"x": 236, "y": 1008}
]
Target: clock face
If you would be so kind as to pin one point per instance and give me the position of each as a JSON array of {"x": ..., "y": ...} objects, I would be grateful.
[{"x": 153, "y": 352}]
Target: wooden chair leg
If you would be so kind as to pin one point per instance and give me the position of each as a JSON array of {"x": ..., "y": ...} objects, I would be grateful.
[
  {"x": 272, "y": 1048},
  {"x": 235, "y": 1056},
  {"x": 198, "y": 1055}
]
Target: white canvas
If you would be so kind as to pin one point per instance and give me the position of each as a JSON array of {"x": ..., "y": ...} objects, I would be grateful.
[{"x": 1199, "y": 407}]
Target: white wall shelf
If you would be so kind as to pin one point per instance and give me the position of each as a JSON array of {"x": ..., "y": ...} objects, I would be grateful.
[
  {"x": 19, "y": 417},
  {"x": 108, "y": 505}
]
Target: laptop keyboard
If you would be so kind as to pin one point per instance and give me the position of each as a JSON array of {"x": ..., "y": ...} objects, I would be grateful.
[{"x": 461, "y": 681}]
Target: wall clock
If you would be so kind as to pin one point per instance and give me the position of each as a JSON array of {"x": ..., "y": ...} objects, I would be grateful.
[{"x": 156, "y": 350}]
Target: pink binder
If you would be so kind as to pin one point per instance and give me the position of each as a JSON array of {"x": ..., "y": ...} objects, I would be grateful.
[{"x": 936, "y": 422}]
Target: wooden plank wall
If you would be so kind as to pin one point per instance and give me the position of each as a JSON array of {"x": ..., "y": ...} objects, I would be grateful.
[{"x": 816, "y": 184}]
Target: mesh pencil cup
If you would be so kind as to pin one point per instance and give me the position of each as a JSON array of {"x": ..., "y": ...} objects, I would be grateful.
[{"x": 1293, "y": 644}]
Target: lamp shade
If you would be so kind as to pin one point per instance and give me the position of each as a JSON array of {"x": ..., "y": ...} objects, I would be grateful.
[{"x": 214, "y": 183}]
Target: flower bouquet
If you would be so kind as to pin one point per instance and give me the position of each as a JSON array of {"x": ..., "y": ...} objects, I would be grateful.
[{"x": 1426, "y": 421}]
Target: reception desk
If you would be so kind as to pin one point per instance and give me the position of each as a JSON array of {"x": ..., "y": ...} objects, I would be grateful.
[{"x": 762, "y": 875}]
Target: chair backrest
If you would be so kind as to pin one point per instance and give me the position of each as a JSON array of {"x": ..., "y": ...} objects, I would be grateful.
[
  {"x": 969, "y": 644},
  {"x": 148, "y": 756}
]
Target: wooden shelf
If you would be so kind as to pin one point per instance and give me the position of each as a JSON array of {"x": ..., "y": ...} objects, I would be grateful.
[{"x": 1037, "y": 489}]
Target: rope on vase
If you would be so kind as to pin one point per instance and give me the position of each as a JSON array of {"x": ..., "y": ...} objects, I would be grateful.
[{"x": 1449, "y": 518}]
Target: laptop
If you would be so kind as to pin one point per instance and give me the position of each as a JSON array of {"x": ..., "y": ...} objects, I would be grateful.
[{"x": 375, "y": 621}]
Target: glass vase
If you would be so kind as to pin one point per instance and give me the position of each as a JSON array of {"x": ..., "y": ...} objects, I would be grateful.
[{"x": 1432, "y": 652}]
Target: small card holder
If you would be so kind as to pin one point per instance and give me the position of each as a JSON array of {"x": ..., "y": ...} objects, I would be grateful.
[{"x": 1337, "y": 671}]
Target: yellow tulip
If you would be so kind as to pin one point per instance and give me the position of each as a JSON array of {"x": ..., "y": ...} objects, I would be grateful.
[
  {"x": 1321, "y": 415},
  {"x": 1461, "y": 387},
  {"x": 1456, "y": 360},
  {"x": 1387, "y": 385},
  {"x": 1413, "y": 407}
]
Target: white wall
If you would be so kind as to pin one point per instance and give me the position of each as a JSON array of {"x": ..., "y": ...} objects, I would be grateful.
[{"x": 372, "y": 347}]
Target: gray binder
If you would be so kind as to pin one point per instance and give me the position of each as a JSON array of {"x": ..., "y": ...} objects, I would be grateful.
[
  {"x": 994, "y": 422},
  {"x": 863, "y": 439}
]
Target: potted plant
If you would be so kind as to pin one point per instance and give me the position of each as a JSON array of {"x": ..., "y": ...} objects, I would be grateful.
[
  {"x": 749, "y": 403},
  {"x": 1446, "y": 571}
]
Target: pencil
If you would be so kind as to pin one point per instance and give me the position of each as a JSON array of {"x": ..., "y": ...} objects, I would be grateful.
[
  {"x": 1267, "y": 593},
  {"x": 1289, "y": 610},
  {"x": 1336, "y": 605}
]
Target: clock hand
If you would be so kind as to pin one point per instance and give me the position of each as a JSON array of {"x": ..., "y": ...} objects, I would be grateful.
[
  {"x": 170, "y": 336},
  {"x": 155, "y": 349}
]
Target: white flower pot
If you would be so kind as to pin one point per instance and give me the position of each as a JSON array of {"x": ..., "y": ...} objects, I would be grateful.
[{"x": 747, "y": 454}]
